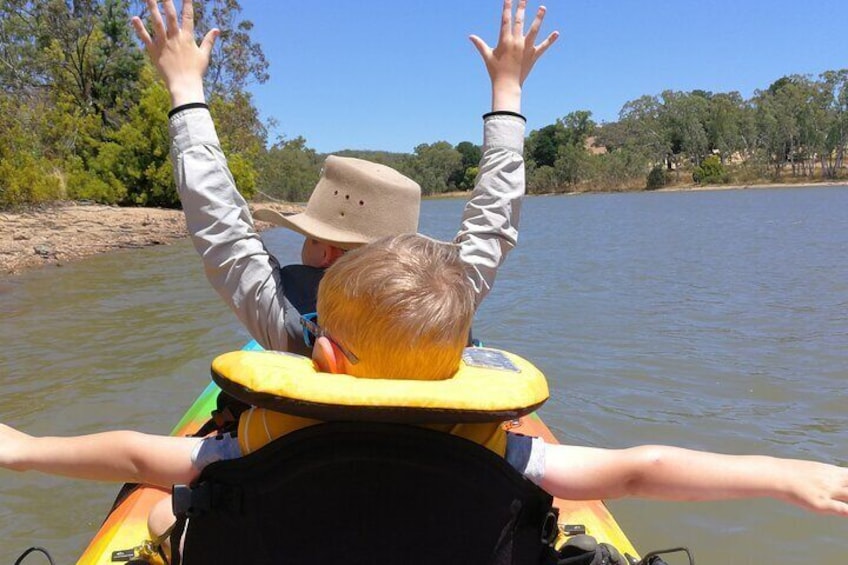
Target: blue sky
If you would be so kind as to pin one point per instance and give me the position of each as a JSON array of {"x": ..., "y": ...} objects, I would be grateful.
[{"x": 387, "y": 75}]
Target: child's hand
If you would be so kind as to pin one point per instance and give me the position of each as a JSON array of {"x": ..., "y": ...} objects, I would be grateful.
[
  {"x": 511, "y": 60},
  {"x": 12, "y": 443},
  {"x": 818, "y": 487},
  {"x": 175, "y": 53}
]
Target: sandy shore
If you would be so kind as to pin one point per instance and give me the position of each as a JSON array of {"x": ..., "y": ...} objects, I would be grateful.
[
  {"x": 695, "y": 188},
  {"x": 56, "y": 234}
]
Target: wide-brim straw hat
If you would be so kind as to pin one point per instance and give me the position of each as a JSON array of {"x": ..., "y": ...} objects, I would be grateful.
[{"x": 355, "y": 202}]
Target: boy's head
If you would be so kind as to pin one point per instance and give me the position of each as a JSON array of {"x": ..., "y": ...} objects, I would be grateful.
[
  {"x": 355, "y": 202},
  {"x": 403, "y": 305}
]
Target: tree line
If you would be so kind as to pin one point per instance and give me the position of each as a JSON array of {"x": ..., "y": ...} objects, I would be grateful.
[{"x": 84, "y": 118}]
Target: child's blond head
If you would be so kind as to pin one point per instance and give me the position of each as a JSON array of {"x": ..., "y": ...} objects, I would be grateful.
[{"x": 402, "y": 304}]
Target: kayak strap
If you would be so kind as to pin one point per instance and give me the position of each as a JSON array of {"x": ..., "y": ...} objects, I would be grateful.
[{"x": 353, "y": 492}]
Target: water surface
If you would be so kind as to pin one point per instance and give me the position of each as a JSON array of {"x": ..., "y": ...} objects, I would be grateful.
[{"x": 712, "y": 320}]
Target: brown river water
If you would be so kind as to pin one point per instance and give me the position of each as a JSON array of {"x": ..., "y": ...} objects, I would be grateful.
[{"x": 711, "y": 320}]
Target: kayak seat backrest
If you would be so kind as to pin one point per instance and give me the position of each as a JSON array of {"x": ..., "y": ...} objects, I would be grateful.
[{"x": 367, "y": 493}]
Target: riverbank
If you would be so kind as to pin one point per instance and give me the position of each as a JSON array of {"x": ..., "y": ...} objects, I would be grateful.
[
  {"x": 59, "y": 233},
  {"x": 53, "y": 235}
]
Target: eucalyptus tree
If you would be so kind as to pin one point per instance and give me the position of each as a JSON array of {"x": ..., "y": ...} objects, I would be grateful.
[
  {"x": 684, "y": 119},
  {"x": 728, "y": 126},
  {"x": 834, "y": 96},
  {"x": 641, "y": 129}
]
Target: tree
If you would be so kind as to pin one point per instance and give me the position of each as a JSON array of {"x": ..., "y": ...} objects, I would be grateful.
[
  {"x": 643, "y": 131},
  {"x": 432, "y": 165},
  {"x": 542, "y": 145},
  {"x": 684, "y": 118},
  {"x": 727, "y": 125},
  {"x": 463, "y": 177},
  {"x": 834, "y": 90},
  {"x": 288, "y": 171}
]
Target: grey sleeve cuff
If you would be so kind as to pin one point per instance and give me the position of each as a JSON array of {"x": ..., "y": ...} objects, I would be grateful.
[
  {"x": 192, "y": 127},
  {"x": 526, "y": 455},
  {"x": 504, "y": 130},
  {"x": 212, "y": 449}
]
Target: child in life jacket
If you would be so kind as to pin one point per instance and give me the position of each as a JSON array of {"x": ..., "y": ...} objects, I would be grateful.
[
  {"x": 354, "y": 202},
  {"x": 399, "y": 308}
]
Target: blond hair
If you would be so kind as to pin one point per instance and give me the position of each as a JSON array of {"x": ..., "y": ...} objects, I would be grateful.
[{"x": 402, "y": 304}]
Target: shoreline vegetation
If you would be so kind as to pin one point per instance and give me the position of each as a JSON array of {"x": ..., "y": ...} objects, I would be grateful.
[{"x": 58, "y": 233}]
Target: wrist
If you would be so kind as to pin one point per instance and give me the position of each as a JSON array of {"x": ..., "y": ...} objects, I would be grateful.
[
  {"x": 506, "y": 97},
  {"x": 186, "y": 94}
]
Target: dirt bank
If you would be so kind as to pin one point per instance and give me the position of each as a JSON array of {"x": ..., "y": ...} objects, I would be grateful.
[{"x": 59, "y": 233}]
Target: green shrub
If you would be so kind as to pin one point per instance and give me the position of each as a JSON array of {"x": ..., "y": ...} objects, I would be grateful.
[
  {"x": 26, "y": 180},
  {"x": 657, "y": 178},
  {"x": 88, "y": 185},
  {"x": 711, "y": 171},
  {"x": 542, "y": 180}
]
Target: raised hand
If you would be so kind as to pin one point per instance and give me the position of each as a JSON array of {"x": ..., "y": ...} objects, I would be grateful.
[
  {"x": 174, "y": 51},
  {"x": 513, "y": 58}
]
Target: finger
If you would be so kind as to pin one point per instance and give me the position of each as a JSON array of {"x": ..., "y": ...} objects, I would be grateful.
[
  {"x": 188, "y": 16},
  {"x": 141, "y": 32},
  {"x": 481, "y": 46},
  {"x": 209, "y": 41},
  {"x": 518, "y": 26},
  {"x": 537, "y": 23},
  {"x": 156, "y": 18},
  {"x": 506, "y": 18},
  {"x": 543, "y": 46},
  {"x": 171, "y": 16}
]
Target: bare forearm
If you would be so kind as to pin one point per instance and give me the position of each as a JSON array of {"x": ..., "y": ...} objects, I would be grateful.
[
  {"x": 118, "y": 456},
  {"x": 672, "y": 473}
]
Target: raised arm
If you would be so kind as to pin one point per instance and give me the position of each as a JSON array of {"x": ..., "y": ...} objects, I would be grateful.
[
  {"x": 670, "y": 473},
  {"x": 119, "y": 456},
  {"x": 235, "y": 260},
  {"x": 489, "y": 229}
]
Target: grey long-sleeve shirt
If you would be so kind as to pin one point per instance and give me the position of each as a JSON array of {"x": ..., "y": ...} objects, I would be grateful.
[{"x": 247, "y": 276}]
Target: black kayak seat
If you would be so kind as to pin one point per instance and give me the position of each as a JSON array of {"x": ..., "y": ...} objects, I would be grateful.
[{"x": 366, "y": 493}]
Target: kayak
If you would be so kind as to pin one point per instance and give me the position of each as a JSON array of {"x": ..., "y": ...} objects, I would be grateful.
[{"x": 123, "y": 536}]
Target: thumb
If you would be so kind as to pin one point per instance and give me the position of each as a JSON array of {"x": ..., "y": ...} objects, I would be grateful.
[
  {"x": 209, "y": 41},
  {"x": 481, "y": 46}
]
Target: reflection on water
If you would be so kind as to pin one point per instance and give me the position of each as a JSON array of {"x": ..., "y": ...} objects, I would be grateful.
[{"x": 714, "y": 320}]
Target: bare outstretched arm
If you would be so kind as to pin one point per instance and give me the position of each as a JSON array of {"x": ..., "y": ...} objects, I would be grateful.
[
  {"x": 513, "y": 57},
  {"x": 119, "y": 456},
  {"x": 174, "y": 52},
  {"x": 670, "y": 473}
]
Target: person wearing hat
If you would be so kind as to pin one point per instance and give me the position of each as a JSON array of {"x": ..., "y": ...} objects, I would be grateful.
[{"x": 354, "y": 202}]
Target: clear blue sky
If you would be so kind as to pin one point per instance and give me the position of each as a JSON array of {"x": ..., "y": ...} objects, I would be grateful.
[{"x": 375, "y": 74}]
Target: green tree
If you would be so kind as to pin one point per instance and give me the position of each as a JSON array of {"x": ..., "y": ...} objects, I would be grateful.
[
  {"x": 834, "y": 92},
  {"x": 684, "y": 118},
  {"x": 641, "y": 130},
  {"x": 462, "y": 177},
  {"x": 542, "y": 145},
  {"x": 288, "y": 171},
  {"x": 432, "y": 165}
]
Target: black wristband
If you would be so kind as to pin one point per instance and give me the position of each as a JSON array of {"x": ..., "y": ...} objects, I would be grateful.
[
  {"x": 189, "y": 106},
  {"x": 504, "y": 113}
]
